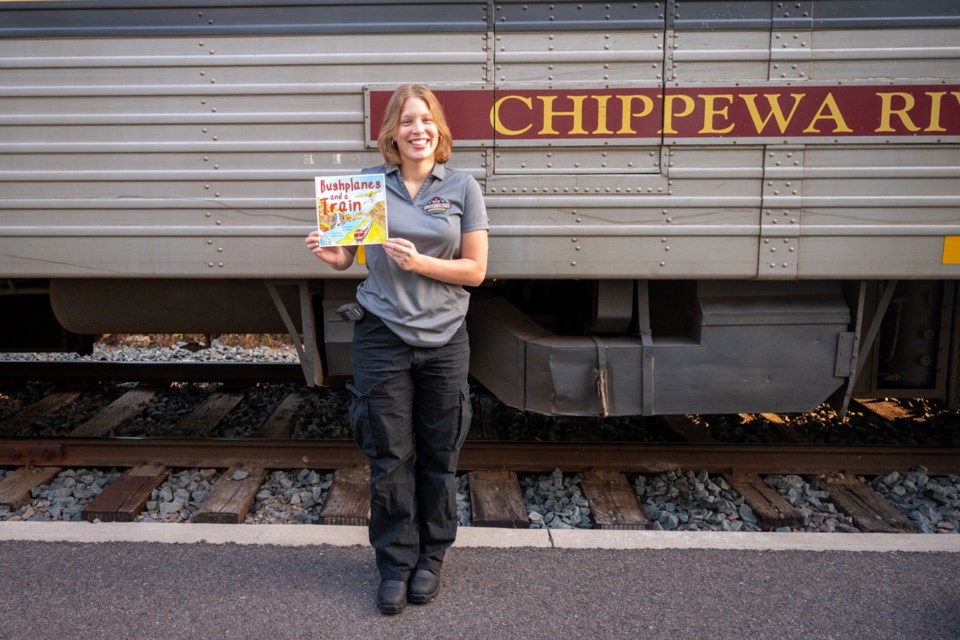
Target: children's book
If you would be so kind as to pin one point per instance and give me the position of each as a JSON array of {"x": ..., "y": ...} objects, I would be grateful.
[{"x": 351, "y": 210}]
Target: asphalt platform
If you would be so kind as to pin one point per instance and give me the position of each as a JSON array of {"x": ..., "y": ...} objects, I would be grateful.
[{"x": 172, "y": 581}]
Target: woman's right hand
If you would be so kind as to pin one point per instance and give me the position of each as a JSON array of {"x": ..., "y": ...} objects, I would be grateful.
[{"x": 336, "y": 256}]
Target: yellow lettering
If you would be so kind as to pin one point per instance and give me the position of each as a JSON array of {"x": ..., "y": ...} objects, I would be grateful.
[
  {"x": 549, "y": 114},
  {"x": 669, "y": 115},
  {"x": 710, "y": 112},
  {"x": 935, "y": 98},
  {"x": 498, "y": 125},
  {"x": 776, "y": 111},
  {"x": 601, "y": 116},
  {"x": 887, "y": 112},
  {"x": 626, "y": 119},
  {"x": 829, "y": 110}
]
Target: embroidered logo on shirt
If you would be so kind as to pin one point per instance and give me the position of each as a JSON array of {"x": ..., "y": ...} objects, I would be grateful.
[{"x": 436, "y": 205}]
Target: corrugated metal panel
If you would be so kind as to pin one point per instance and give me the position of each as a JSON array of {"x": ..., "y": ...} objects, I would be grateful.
[
  {"x": 190, "y": 156},
  {"x": 688, "y": 15},
  {"x": 873, "y": 214},
  {"x": 554, "y": 15},
  {"x": 110, "y": 18}
]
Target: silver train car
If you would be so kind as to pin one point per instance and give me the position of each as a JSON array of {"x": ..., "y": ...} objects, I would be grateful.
[{"x": 695, "y": 206}]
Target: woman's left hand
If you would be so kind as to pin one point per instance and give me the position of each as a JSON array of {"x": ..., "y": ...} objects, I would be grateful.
[{"x": 403, "y": 252}]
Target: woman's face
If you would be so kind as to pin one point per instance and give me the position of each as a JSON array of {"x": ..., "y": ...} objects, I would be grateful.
[{"x": 417, "y": 136}]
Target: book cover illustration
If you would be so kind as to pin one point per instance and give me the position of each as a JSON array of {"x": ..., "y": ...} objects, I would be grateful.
[{"x": 351, "y": 210}]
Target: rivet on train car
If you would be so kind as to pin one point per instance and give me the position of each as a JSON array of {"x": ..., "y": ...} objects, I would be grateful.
[
  {"x": 773, "y": 249},
  {"x": 204, "y": 130},
  {"x": 773, "y": 265},
  {"x": 219, "y": 249},
  {"x": 669, "y": 219},
  {"x": 219, "y": 222},
  {"x": 663, "y": 264},
  {"x": 206, "y": 158},
  {"x": 766, "y": 241},
  {"x": 210, "y": 264},
  {"x": 666, "y": 248},
  {"x": 573, "y": 263},
  {"x": 206, "y": 187},
  {"x": 209, "y": 214},
  {"x": 574, "y": 240},
  {"x": 792, "y": 249},
  {"x": 576, "y": 248},
  {"x": 200, "y": 44},
  {"x": 219, "y": 264},
  {"x": 785, "y": 265},
  {"x": 209, "y": 242}
]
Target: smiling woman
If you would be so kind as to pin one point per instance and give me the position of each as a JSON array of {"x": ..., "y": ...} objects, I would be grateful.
[{"x": 411, "y": 403}]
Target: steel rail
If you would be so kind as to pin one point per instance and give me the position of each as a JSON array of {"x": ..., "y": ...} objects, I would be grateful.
[
  {"x": 515, "y": 456},
  {"x": 80, "y": 371}
]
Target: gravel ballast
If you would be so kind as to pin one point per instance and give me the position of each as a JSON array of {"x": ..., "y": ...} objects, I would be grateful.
[{"x": 675, "y": 500}]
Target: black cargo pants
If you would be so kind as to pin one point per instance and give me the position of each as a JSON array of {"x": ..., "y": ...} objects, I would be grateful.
[{"x": 410, "y": 415}]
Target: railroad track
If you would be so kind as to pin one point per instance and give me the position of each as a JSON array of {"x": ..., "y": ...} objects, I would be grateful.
[{"x": 492, "y": 467}]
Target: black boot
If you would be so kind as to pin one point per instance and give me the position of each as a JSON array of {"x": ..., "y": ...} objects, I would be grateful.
[
  {"x": 392, "y": 596},
  {"x": 424, "y": 586}
]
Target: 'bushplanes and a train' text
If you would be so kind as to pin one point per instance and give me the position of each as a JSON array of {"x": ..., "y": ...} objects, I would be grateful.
[{"x": 725, "y": 112}]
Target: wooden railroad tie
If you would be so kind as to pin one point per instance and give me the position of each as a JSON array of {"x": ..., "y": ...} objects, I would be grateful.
[
  {"x": 496, "y": 500},
  {"x": 775, "y": 429},
  {"x": 115, "y": 414},
  {"x": 891, "y": 412},
  {"x": 771, "y": 509},
  {"x": 871, "y": 513},
  {"x": 613, "y": 502},
  {"x": 348, "y": 501},
  {"x": 686, "y": 429},
  {"x": 207, "y": 416},
  {"x": 123, "y": 499},
  {"x": 280, "y": 422},
  {"x": 29, "y": 415},
  {"x": 15, "y": 488},
  {"x": 231, "y": 497}
]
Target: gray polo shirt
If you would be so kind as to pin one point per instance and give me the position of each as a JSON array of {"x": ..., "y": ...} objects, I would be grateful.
[{"x": 423, "y": 312}]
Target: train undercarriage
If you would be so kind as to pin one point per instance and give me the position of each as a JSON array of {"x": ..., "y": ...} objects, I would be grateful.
[{"x": 559, "y": 347}]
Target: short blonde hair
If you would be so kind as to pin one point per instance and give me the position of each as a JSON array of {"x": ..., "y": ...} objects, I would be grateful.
[{"x": 391, "y": 123}]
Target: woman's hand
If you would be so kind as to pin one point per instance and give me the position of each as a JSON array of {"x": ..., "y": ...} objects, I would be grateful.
[
  {"x": 403, "y": 252},
  {"x": 337, "y": 257},
  {"x": 469, "y": 269}
]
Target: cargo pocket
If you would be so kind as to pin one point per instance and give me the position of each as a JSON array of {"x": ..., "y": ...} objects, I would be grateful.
[
  {"x": 466, "y": 415},
  {"x": 359, "y": 413}
]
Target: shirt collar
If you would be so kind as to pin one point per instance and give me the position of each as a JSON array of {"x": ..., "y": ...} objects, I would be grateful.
[{"x": 439, "y": 171}]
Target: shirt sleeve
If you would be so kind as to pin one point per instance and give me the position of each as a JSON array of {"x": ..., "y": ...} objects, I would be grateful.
[{"x": 474, "y": 208}]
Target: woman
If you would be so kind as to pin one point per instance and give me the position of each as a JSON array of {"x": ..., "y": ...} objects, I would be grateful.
[{"x": 411, "y": 407}]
